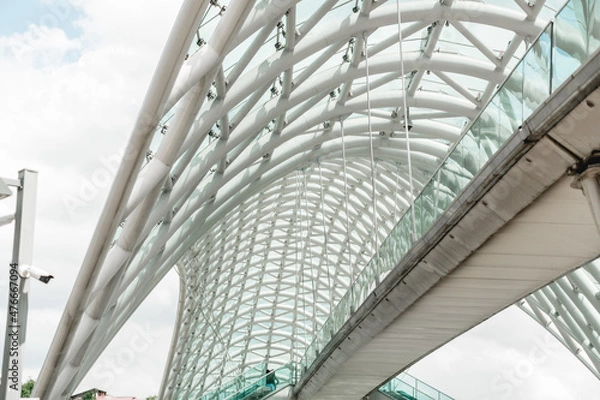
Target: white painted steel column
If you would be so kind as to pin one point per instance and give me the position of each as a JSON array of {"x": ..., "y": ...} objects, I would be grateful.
[{"x": 18, "y": 290}]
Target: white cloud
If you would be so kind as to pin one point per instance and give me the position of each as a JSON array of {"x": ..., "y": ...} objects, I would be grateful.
[
  {"x": 508, "y": 356},
  {"x": 69, "y": 102},
  {"x": 133, "y": 363}
]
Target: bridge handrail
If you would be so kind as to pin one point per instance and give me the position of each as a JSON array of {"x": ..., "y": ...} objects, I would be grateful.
[
  {"x": 250, "y": 383},
  {"x": 409, "y": 386},
  {"x": 567, "y": 42}
]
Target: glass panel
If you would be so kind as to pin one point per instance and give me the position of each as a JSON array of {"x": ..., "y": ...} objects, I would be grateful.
[
  {"x": 428, "y": 214},
  {"x": 470, "y": 143},
  {"x": 593, "y": 28},
  {"x": 255, "y": 383},
  {"x": 570, "y": 43},
  {"x": 536, "y": 72},
  {"x": 407, "y": 387},
  {"x": 418, "y": 218},
  {"x": 510, "y": 103}
]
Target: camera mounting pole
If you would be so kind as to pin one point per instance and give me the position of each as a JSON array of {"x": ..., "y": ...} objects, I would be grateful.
[{"x": 18, "y": 287}]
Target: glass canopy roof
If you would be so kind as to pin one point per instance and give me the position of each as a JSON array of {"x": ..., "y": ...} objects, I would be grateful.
[{"x": 279, "y": 145}]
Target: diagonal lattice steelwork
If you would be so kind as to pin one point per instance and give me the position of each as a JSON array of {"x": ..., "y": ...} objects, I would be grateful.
[
  {"x": 568, "y": 308},
  {"x": 269, "y": 161}
]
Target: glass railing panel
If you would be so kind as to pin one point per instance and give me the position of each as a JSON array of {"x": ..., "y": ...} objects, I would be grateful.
[
  {"x": 254, "y": 384},
  {"x": 408, "y": 380},
  {"x": 418, "y": 216},
  {"x": 471, "y": 157},
  {"x": 423, "y": 396},
  {"x": 448, "y": 182},
  {"x": 569, "y": 42},
  {"x": 407, "y": 387},
  {"x": 342, "y": 311},
  {"x": 480, "y": 145},
  {"x": 405, "y": 229},
  {"x": 593, "y": 27},
  {"x": 425, "y": 203},
  {"x": 536, "y": 72},
  {"x": 506, "y": 124},
  {"x": 388, "y": 249},
  {"x": 456, "y": 174},
  {"x": 360, "y": 285},
  {"x": 395, "y": 245},
  {"x": 403, "y": 236},
  {"x": 488, "y": 124},
  {"x": 437, "y": 193},
  {"x": 425, "y": 391},
  {"x": 509, "y": 100},
  {"x": 457, "y": 163},
  {"x": 373, "y": 271},
  {"x": 253, "y": 376}
]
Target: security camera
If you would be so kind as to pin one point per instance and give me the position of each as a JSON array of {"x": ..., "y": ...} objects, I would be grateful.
[{"x": 29, "y": 271}]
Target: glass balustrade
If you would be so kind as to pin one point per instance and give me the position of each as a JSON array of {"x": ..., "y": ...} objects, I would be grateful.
[
  {"x": 407, "y": 387},
  {"x": 253, "y": 384}
]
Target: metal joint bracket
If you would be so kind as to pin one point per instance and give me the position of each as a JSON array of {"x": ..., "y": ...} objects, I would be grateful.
[
  {"x": 587, "y": 168},
  {"x": 586, "y": 173}
]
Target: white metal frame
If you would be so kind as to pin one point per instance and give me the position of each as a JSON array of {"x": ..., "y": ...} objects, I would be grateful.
[
  {"x": 261, "y": 196},
  {"x": 568, "y": 309}
]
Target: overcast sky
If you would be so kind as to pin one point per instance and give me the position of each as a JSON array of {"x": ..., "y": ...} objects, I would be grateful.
[{"x": 73, "y": 74}]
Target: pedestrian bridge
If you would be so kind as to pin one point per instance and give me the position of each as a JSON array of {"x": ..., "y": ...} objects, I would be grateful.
[{"x": 345, "y": 186}]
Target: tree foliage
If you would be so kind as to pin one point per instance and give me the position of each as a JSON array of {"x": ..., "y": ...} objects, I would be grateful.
[
  {"x": 27, "y": 388},
  {"x": 89, "y": 396}
]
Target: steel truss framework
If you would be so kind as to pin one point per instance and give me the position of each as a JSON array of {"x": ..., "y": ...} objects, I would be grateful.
[
  {"x": 268, "y": 162},
  {"x": 568, "y": 308}
]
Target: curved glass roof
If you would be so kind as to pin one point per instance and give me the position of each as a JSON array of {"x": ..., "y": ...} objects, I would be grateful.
[{"x": 278, "y": 146}]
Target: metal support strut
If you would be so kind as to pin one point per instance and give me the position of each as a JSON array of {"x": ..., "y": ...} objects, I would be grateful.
[
  {"x": 586, "y": 174},
  {"x": 18, "y": 293}
]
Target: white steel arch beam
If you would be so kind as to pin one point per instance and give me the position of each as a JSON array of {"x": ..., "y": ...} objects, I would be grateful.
[
  {"x": 386, "y": 15},
  {"x": 207, "y": 192},
  {"x": 441, "y": 63},
  {"x": 391, "y": 98},
  {"x": 162, "y": 83}
]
